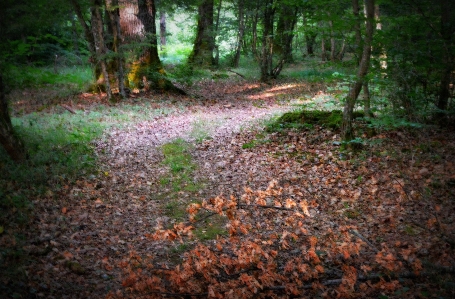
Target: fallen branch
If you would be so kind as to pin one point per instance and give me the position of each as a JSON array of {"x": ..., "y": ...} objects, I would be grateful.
[
  {"x": 68, "y": 108},
  {"x": 237, "y": 74},
  {"x": 358, "y": 235},
  {"x": 264, "y": 207}
]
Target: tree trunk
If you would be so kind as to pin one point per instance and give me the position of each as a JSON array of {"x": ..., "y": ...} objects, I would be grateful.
[
  {"x": 8, "y": 139},
  {"x": 323, "y": 49},
  {"x": 357, "y": 31},
  {"x": 310, "y": 36},
  {"x": 310, "y": 40},
  {"x": 98, "y": 35},
  {"x": 204, "y": 44},
  {"x": 240, "y": 34},
  {"x": 267, "y": 42},
  {"x": 346, "y": 127},
  {"x": 332, "y": 42},
  {"x": 117, "y": 63},
  {"x": 137, "y": 20},
  {"x": 285, "y": 31},
  {"x": 88, "y": 37},
  {"x": 215, "y": 34},
  {"x": 163, "y": 33}
]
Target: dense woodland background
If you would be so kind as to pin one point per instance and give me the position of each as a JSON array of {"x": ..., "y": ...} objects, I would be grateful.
[{"x": 374, "y": 77}]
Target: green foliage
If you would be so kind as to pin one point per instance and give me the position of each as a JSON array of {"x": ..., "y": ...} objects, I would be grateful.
[
  {"x": 211, "y": 231},
  {"x": 181, "y": 166},
  {"x": 306, "y": 119},
  {"x": 175, "y": 210},
  {"x": 177, "y": 157},
  {"x": 186, "y": 73},
  {"x": 66, "y": 78}
]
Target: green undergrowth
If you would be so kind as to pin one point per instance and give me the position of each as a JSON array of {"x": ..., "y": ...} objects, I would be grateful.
[
  {"x": 177, "y": 158},
  {"x": 306, "y": 119},
  {"x": 76, "y": 78}
]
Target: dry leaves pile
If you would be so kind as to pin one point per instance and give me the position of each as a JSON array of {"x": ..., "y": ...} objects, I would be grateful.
[{"x": 303, "y": 218}]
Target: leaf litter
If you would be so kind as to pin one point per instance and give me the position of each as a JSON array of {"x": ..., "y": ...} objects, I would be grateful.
[{"x": 304, "y": 218}]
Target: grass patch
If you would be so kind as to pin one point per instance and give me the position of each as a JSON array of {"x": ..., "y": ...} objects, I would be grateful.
[
  {"x": 175, "y": 210},
  {"x": 212, "y": 229},
  {"x": 74, "y": 78},
  {"x": 178, "y": 159}
]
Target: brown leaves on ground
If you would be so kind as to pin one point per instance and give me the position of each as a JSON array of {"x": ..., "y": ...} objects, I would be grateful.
[{"x": 304, "y": 219}]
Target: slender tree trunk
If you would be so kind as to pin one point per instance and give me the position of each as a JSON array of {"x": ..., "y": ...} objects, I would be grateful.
[
  {"x": 88, "y": 33},
  {"x": 357, "y": 31},
  {"x": 163, "y": 33},
  {"x": 98, "y": 34},
  {"x": 204, "y": 45},
  {"x": 8, "y": 139},
  {"x": 366, "y": 99},
  {"x": 332, "y": 42},
  {"x": 113, "y": 12},
  {"x": 310, "y": 36},
  {"x": 346, "y": 127},
  {"x": 254, "y": 32},
  {"x": 240, "y": 34},
  {"x": 285, "y": 31},
  {"x": 323, "y": 49},
  {"x": 267, "y": 42},
  {"x": 215, "y": 34}
]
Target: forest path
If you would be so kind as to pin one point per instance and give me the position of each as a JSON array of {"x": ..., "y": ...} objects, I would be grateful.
[
  {"x": 110, "y": 214},
  {"x": 391, "y": 193}
]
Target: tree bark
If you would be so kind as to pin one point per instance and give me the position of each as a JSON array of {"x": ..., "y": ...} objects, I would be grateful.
[
  {"x": 137, "y": 20},
  {"x": 346, "y": 127},
  {"x": 215, "y": 34},
  {"x": 204, "y": 44},
  {"x": 8, "y": 139},
  {"x": 240, "y": 34},
  {"x": 88, "y": 37},
  {"x": 267, "y": 42},
  {"x": 113, "y": 12},
  {"x": 163, "y": 32},
  {"x": 357, "y": 30},
  {"x": 285, "y": 31},
  {"x": 100, "y": 45}
]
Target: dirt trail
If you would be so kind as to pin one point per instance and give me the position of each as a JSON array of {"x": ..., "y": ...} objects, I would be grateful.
[{"x": 110, "y": 214}]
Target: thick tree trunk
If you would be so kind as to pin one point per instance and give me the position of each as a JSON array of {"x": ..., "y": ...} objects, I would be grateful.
[
  {"x": 240, "y": 34},
  {"x": 346, "y": 127},
  {"x": 204, "y": 44},
  {"x": 137, "y": 20},
  {"x": 8, "y": 139}
]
